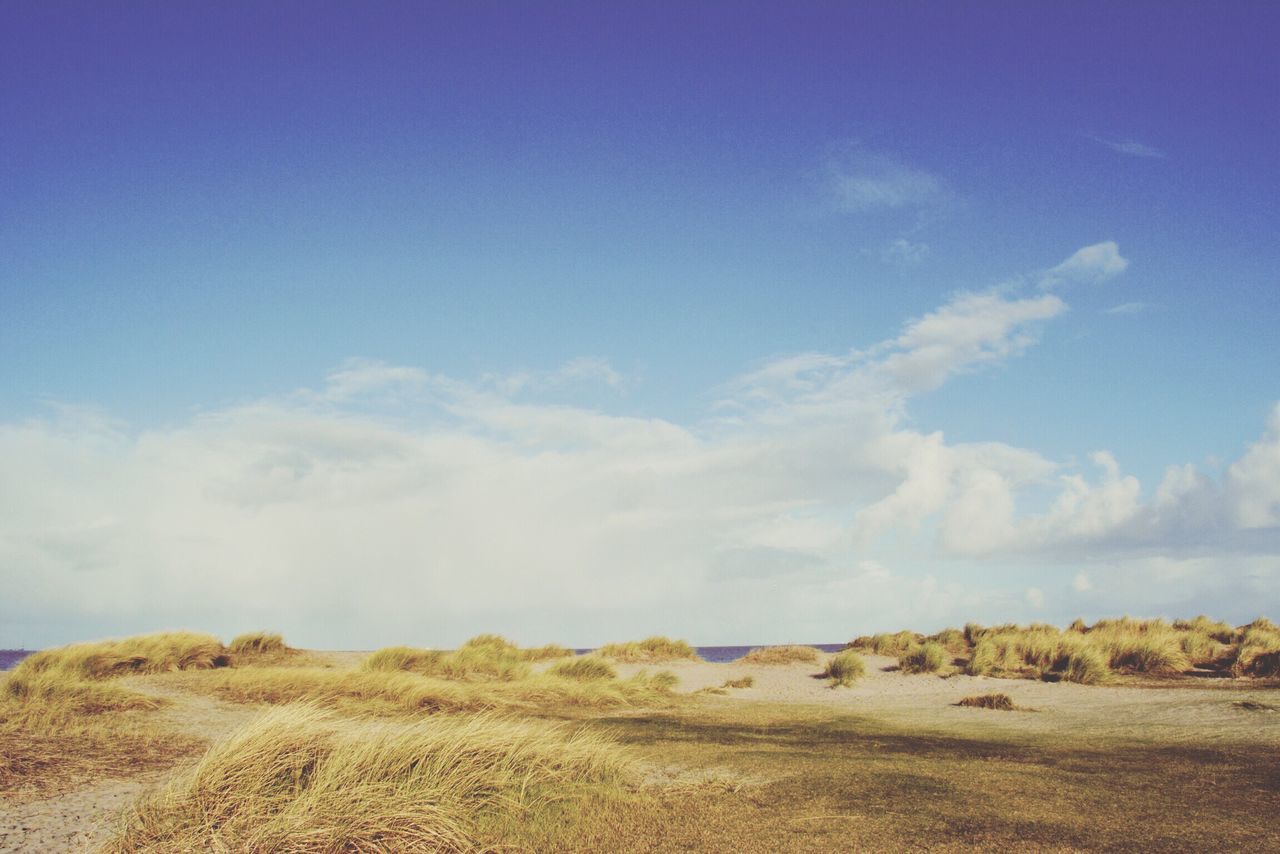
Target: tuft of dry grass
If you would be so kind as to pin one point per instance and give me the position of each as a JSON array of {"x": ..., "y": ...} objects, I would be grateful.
[
  {"x": 893, "y": 645},
  {"x": 651, "y": 650},
  {"x": 740, "y": 682},
  {"x": 300, "y": 780},
  {"x": 408, "y": 658},
  {"x": 483, "y": 657},
  {"x": 928, "y": 658},
  {"x": 1001, "y": 702},
  {"x": 845, "y": 668},
  {"x": 584, "y": 668},
  {"x": 154, "y": 653},
  {"x": 401, "y": 692},
  {"x": 1258, "y": 653},
  {"x": 789, "y": 654},
  {"x": 257, "y": 644}
]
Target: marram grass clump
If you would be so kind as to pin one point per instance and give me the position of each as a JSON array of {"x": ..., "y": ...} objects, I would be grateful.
[
  {"x": 740, "y": 682},
  {"x": 789, "y": 654},
  {"x": 258, "y": 643},
  {"x": 930, "y": 657},
  {"x": 844, "y": 668},
  {"x": 483, "y": 657},
  {"x": 651, "y": 650},
  {"x": 154, "y": 653},
  {"x": 584, "y": 668},
  {"x": 406, "y": 658},
  {"x": 1001, "y": 702},
  {"x": 300, "y": 779}
]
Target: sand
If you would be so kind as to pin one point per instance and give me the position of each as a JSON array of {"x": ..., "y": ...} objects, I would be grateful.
[
  {"x": 1201, "y": 711},
  {"x": 1174, "y": 712}
]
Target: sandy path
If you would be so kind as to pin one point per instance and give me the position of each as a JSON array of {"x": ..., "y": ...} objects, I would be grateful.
[
  {"x": 1199, "y": 712},
  {"x": 82, "y": 819}
]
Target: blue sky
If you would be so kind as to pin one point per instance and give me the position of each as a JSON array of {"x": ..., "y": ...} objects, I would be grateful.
[{"x": 518, "y": 247}]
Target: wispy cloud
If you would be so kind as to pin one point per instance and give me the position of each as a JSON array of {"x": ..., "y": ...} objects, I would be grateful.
[
  {"x": 860, "y": 180},
  {"x": 1095, "y": 263},
  {"x": 1127, "y": 308},
  {"x": 904, "y": 251},
  {"x": 1131, "y": 147},
  {"x": 808, "y": 504}
]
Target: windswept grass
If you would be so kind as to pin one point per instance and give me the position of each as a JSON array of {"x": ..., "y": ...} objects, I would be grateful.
[
  {"x": 585, "y": 668},
  {"x": 928, "y": 658},
  {"x": 483, "y": 657},
  {"x": 1258, "y": 653},
  {"x": 399, "y": 692},
  {"x": 790, "y": 654},
  {"x": 651, "y": 650},
  {"x": 258, "y": 644},
  {"x": 740, "y": 682},
  {"x": 844, "y": 668},
  {"x": 408, "y": 658},
  {"x": 1001, "y": 702},
  {"x": 154, "y": 653},
  {"x": 300, "y": 779},
  {"x": 893, "y": 645}
]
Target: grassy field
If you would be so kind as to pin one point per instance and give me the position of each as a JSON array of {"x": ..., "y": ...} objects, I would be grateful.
[{"x": 255, "y": 746}]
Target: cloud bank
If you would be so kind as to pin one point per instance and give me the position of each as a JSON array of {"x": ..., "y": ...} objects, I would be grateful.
[{"x": 393, "y": 504}]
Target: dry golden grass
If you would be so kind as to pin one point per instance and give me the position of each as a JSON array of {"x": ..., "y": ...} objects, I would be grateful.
[
  {"x": 929, "y": 657},
  {"x": 893, "y": 645},
  {"x": 303, "y": 780},
  {"x": 398, "y": 692},
  {"x": 408, "y": 658},
  {"x": 651, "y": 650},
  {"x": 740, "y": 682},
  {"x": 154, "y": 653},
  {"x": 1000, "y": 702},
  {"x": 845, "y": 668},
  {"x": 56, "y": 730},
  {"x": 587, "y": 667},
  {"x": 790, "y": 654},
  {"x": 483, "y": 657},
  {"x": 257, "y": 643}
]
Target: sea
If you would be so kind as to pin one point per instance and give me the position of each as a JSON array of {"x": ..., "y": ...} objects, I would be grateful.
[
  {"x": 721, "y": 654},
  {"x": 9, "y": 658}
]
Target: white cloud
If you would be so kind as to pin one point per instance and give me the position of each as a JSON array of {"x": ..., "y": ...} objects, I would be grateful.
[
  {"x": 1082, "y": 583},
  {"x": 809, "y": 505},
  {"x": 1095, "y": 263},
  {"x": 861, "y": 180},
  {"x": 1128, "y": 308},
  {"x": 1131, "y": 147},
  {"x": 904, "y": 251},
  {"x": 1253, "y": 481}
]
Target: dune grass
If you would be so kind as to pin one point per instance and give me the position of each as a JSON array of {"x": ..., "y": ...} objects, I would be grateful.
[
  {"x": 1000, "y": 702},
  {"x": 740, "y": 682},
  {"x": 844, "y": 668},
  {"x": 483, "y": 657},
  {"x": 1258, "y": 651},
  {"x": 108, "y": 659},
  {"x": 789, "y": 654},
  {"x": 408, "y": 658},
  {"x": 585, "y": 668},
  {"x": 301, "y": 779},
  {"x": 651, "y": 650},
  {"x": 930, "y": 657},
  {"x": 401, "y": 692},
  {"x": 891, "y": 644}
]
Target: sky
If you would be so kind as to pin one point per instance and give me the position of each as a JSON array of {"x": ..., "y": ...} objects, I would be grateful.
[{"x": 381, "y": 323}]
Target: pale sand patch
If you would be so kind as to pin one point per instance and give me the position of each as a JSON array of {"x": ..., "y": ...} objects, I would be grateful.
[{"x": 1195, "y": 711}]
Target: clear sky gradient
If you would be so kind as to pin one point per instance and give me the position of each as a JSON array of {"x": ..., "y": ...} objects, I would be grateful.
[{"x": 747, "y": 322}]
